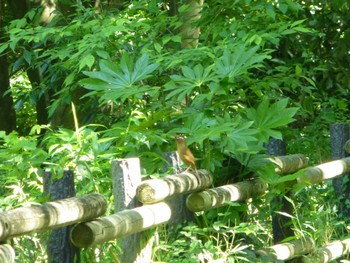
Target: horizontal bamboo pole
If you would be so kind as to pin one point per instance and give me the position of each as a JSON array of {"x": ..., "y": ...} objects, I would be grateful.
[
  {"x": 120, "y": 224},
  {"x": 325, "y": 171},
  {"x": 219, "y": 196},
  {"x": 330, "y": 252},
  {"x": 7, "y": 254},
  {"x": 155, "y": 190},
  {"x": 287, "y": 250},
  {"x": 289, "y": 163},
  {"x": 51, "y": 215}
]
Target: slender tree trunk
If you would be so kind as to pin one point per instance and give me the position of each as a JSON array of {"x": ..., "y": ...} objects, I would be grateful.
[
  {"x": 190, "y": 30},
  {"x": 7, "y": 111},
  {"x": 19, "y": 8},
  {"x": 35, "y": 79}
]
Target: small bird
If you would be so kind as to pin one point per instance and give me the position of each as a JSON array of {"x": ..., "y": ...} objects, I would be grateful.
[{"x": 185, "y": 153}]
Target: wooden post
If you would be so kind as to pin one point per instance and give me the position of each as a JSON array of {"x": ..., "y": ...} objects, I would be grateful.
[
  {"x": 178, "y": 202},
  {"x": 281, "y": 225},
  {"x": 339, "y": 136},
  {"x": 59, "y": 246},
  {"x": 126, "y": 176}
]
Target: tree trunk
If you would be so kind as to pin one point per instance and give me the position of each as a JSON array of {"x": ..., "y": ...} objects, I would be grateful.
[
  {"x": 190, "y": 31},
  {"x": 19, "y": 8},
  {"x": 7, "y": 111}
]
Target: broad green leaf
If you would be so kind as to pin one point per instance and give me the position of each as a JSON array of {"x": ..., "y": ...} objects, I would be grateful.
[
  {"x": 88, "y": 61},
  {"x": 109, "y": 67},
  {"x": 267, "y": 118},
  {"x": 233, "y": 65},
  {"x": 298, "y": 22}
]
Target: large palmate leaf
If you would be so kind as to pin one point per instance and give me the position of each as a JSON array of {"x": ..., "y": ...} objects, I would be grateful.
[
  {"x": 232, "y": 65},
  {"x": 119, "y": 81},
  {"x": 181, "y": 86},
  {"x": 268, "y": 117}
]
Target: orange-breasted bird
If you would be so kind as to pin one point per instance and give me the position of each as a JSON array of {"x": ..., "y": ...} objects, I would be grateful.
[{"x": 185, "y": 153}]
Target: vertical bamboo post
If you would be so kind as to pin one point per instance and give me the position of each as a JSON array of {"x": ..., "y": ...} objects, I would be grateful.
[
  {"x": 280, "y": 223},
  {"x": 339, "y": 134},
  {"x": 177, "y": 203},
  {"x": 59, "y": 245},
  {"x": 126, "y": 176}
]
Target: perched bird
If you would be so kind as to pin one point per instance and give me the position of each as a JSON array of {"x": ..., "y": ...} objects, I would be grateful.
[{"x": 185, "y": 153}]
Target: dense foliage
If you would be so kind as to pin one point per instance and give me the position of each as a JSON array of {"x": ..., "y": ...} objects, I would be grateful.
[{"x": 120, "y": 83}]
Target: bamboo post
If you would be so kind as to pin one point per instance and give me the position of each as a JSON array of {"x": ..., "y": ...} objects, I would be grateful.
[
  {"x": 176, "y": 202},
  {"x": 50, "y": 215},
  {"x": 121, "y": 224},
  {"x": 287, "y": 250},
  {"x": 7, "y": 254},
  {"x": 59, "y": 245},
  {"x": 220, "y": 196},
  {"x": 126, "y": 177},
  {"x": 339, "y": 134},
  {"x": 280, "y": 223}
]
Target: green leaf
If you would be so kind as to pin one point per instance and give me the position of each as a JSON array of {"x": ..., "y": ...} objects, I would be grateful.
[
  {"x": 270, "y": 11},
  {"x": 27, "y": 56},
  {"x": 88, "y": 61},
  {"x": 298, "y": 22},
  {"x": 102, "y": 54},
  {"x": 233, "y": 65},
  {"x": 69, "y": 79},
  {"x": 267, "y": 118},
  {"x": 109, "y": 67},
  {"x": 3, "y": 47}
]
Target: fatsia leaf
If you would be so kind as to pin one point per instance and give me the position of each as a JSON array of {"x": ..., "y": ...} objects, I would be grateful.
[
  {"x": 126, "y": 66},
  {"x": 109, "y": 67},
  {"x": 232, "y": 65},
  {"x": 267, "y": 118},
  {"x": 118, "y": 81},
  {"x": 143, "y": 68},
  {"x": 183, "y": 85}
]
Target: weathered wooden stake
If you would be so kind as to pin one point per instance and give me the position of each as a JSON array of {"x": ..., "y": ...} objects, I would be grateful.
[
  {"x": 339, "y": 136},
  {"x": 59, "y": 245},
  {"x": 126, "y": 176},
  {"x": 177, "y": 202},
  {"x": 281, "y": 225}
]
